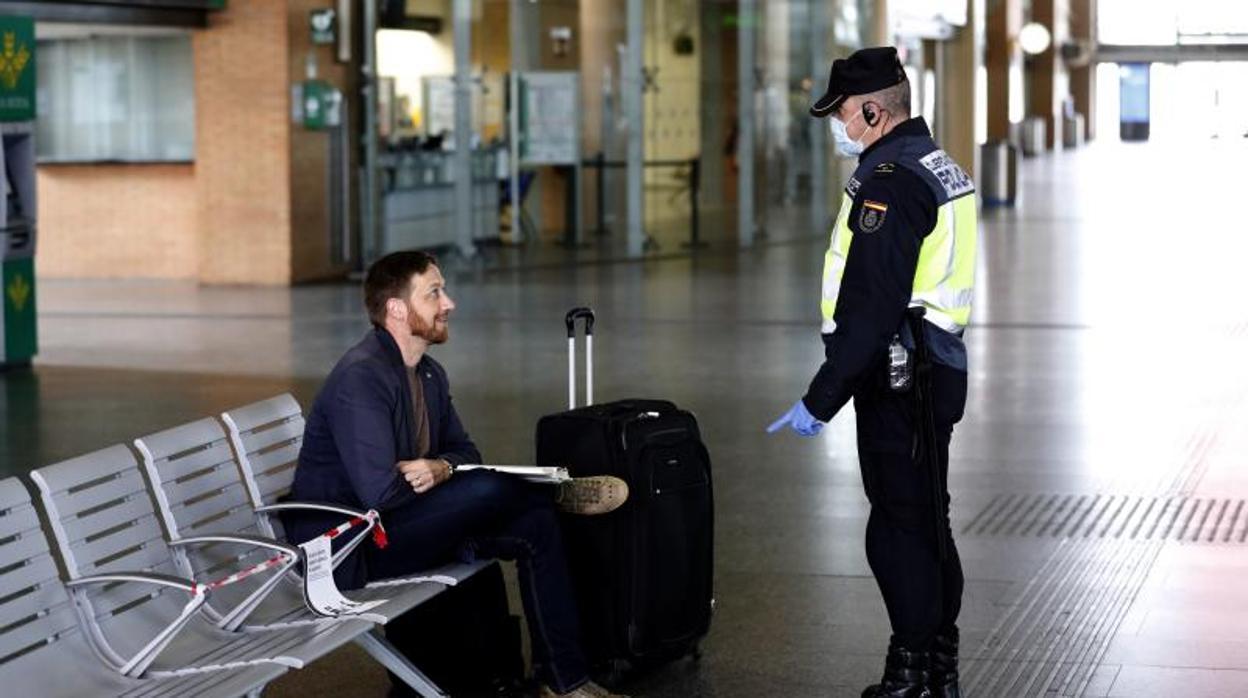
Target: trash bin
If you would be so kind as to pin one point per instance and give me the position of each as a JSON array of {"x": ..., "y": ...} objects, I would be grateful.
[
  {"x": 1072, "y": 131},
  {"x": 999, "y": 184},
  {"x": 1035, "y": 136}
]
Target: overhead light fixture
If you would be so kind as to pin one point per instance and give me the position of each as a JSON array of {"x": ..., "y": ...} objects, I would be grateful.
[{"x": 1034, "y": 38}]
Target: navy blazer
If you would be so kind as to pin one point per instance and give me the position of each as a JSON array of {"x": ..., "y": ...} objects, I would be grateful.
[{"x": 361, "y": 425}]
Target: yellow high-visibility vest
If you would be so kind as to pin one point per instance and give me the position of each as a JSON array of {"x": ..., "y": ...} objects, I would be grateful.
[{"x": 944, "y": 280}]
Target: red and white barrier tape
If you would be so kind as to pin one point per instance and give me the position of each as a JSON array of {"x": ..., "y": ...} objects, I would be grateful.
[
  {"x": 371, "y": 517},
  {"x": 245, "y": 573}
]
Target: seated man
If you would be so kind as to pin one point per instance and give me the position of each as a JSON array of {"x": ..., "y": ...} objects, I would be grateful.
[{"x": 384, "y": 435}]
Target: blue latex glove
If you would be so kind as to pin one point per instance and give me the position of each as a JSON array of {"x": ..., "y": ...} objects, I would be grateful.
[{"x": 798, "y": 417}]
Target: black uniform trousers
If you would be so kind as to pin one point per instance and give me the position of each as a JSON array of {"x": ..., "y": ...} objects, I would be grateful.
[{"x": 922, "y": 593}]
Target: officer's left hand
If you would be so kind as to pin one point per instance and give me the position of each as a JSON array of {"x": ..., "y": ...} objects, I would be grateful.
[{"x": 800, "y": 419}]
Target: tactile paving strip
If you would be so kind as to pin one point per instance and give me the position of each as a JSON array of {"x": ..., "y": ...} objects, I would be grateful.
[
  {"x": 1177, "y": 518},
  {"x": 1052, "y": 639}
]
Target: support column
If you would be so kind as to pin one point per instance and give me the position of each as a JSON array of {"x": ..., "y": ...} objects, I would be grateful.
[
  {"x": 959, "y": 113},
  {"x": 714, "y": 86},
  {"x": 631, "y": 86},
  {"x": 370, "y": 197},
  {"x": 462, "y": 21},
  {"x": 819, "y": 65},
  {"x": 1004, "y": 64},
  {"x": 881, "y": 28},
  {"x": 1049, "y": 82},
  {"x": 1083, "y": 77},
  {"x": 516, "y": 41},
  {"x": 747, "y": 20}
]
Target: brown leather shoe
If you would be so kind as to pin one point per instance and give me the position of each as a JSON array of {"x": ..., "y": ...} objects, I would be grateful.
[
  {"x": 592, "y": 495},
  {"x": 587, "y": 690}
]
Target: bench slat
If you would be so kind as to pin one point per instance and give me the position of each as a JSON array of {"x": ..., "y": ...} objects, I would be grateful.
[
  {"x": 256, "y": 441},
  {"x": 123, "y": 484},
  {"x": 38, "y": 631}
]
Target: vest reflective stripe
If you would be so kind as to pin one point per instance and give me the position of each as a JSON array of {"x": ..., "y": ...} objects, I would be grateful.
[{"x": 944, "y": 279}]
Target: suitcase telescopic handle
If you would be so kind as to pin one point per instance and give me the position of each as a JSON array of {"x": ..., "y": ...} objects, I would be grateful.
[
  {"x": 575, "y": 314},
  {"x": 586, "y": 314}
]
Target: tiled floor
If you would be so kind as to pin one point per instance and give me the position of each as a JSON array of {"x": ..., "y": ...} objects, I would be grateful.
[{"x": 1097, "y": 476}]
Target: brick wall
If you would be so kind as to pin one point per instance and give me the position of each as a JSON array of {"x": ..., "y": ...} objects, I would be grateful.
[
  {"x": 252, "y": 209},
  {"x": 117, "y": 221},
  {"x": 553, "y": 187},
  {"x": 242, "y": 144}
]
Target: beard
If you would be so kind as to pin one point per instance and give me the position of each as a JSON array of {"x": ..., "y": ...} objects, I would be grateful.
[{"x": 436, "y": 332}]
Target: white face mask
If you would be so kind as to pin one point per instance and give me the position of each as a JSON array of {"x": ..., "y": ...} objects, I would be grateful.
[{"x": 840, "y": 136}]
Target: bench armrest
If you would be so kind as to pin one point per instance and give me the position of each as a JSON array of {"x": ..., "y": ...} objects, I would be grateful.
[
  {"x": 311, "y": 506},
  {"x": 233, "y": 619},
  {"x": 165, "y": 580},
  {"x": 240, "y": 539},
  {"x": 137, "y": 665}
]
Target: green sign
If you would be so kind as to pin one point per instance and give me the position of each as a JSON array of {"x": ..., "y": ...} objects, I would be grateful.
[
  {"x": 17, "y": 280},
  {"x": 17, "y": 69},
  {"x": 315, "y": 107},
  {"x": 324, "y": 24}
]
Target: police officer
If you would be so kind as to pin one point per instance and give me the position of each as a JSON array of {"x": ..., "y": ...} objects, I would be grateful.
[{"x": 904, "y": 240}]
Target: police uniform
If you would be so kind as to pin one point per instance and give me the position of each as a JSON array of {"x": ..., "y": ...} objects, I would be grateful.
[{"x": 905, "y": 237}]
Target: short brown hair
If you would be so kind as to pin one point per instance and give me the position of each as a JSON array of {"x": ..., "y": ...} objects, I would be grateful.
[{"x": 391, "y": 277}]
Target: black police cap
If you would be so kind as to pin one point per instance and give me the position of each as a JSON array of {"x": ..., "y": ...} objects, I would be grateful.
[{"x": 865, "y": 71}]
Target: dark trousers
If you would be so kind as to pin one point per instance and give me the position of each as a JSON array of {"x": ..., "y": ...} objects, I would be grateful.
[
  {"x": 922, "y": 593},
  {"x": 481, "y": 514}
]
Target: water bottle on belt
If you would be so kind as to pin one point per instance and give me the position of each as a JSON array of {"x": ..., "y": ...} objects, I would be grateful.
[{"x": 900, "y": 373}]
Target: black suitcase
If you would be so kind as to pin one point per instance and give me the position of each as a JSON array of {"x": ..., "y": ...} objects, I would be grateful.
[{"x": 643, "y": 573}]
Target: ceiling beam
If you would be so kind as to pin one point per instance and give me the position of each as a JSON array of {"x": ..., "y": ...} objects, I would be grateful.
[
  {"x": 164, "y": 13},
  {"x": 1180, "y": 53}
]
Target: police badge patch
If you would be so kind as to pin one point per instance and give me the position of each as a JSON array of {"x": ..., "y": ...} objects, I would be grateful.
[{"x": 872, "y": 216}]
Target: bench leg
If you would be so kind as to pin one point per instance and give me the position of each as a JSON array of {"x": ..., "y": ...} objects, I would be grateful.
[{"x": 375, "y": 643}]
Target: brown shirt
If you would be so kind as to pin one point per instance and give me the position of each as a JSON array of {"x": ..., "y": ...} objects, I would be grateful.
[{"x": 419, "y": 412}]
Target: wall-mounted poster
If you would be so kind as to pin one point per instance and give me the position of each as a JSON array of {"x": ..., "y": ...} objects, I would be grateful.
[{"x": 550, "y": 118}]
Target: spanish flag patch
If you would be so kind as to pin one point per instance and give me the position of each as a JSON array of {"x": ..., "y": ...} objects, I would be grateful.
[{"x": 872, "y": 216}]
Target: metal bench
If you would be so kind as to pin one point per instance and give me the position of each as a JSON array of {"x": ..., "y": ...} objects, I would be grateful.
[
  {"x": 200, "y": 498},
  {"x": 103, "y": 523},
  {"x": 58, "y": 647},
  {"x": 198, "y": 491}
]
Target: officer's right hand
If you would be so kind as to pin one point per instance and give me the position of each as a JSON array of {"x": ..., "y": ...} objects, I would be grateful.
[{"x": 800, "y": 419}]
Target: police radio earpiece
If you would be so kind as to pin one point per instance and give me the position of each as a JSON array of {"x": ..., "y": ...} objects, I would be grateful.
[{"x": 868, "y": 115}]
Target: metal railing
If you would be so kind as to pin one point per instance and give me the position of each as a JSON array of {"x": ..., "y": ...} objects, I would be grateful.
[{"x": 601, "y": 164}]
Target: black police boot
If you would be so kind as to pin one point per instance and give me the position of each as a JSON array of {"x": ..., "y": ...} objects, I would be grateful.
[
  {"x": 943, "y": 680},
  {"x": 905, "y": 676}
]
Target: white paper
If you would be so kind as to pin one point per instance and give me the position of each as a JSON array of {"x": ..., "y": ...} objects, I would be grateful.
[
  {"x": 319, "y": 590},
  {"x": 532, "y": 473},
  {"x": 406, "y": 581}
]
